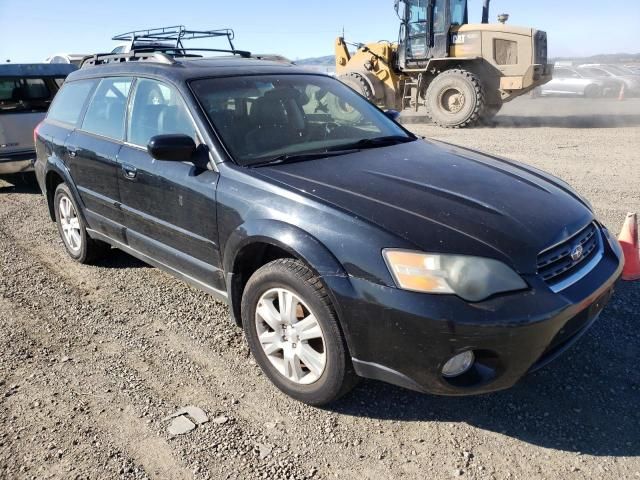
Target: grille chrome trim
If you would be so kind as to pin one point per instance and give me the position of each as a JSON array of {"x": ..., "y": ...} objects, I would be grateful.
[
  {"x": 559, "y": 269},
  {"x": 582, "y": 272}
]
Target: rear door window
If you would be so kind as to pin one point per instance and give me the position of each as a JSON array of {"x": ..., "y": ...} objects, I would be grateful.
[
  {"x": 70, "y": 101},
  {"x": 106, "y": 113}
]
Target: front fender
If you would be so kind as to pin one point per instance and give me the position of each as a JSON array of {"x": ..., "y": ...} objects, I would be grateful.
[{"x": 299, "y": 244}]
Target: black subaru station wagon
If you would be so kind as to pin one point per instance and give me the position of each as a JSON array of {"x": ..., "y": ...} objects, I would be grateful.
[{"x": 345, "y": 246}]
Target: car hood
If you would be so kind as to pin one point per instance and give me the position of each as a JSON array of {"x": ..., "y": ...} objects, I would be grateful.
[{"x": 447, "y": 199}]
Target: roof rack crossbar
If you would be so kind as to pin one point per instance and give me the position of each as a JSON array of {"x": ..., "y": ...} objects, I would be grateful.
[{"x": 176, "y": 33}]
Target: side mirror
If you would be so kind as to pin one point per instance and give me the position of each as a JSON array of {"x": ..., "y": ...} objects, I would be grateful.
[
  {"x": 173, "y": 147},
  {"x": 392, "y": 114}
]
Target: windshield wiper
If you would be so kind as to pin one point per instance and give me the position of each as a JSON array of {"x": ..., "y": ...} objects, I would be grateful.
[
  {"x": 376, "y": 142},
  {"x": 301, "y": 157}
]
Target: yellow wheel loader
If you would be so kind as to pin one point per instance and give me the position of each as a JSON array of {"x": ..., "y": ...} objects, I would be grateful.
[{"x": 461, "y": 72}]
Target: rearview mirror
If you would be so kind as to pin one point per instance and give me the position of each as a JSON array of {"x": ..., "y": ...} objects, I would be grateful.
[
  {"x": 392, "y": 114},
  {"x": 174, "y": 147}
]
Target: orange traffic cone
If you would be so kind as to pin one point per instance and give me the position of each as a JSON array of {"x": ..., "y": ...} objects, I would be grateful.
[
  {"x": 629, "y": 242},
  {"x": 622, "y": 91}
]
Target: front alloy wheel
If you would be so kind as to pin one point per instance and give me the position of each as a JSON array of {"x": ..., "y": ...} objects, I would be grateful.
[
  {"x": 293, "y": 332},
  {"x": 290, "y": 336}
]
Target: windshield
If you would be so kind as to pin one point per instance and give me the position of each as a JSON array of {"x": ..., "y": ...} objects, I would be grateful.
[
  {"x": 25, "y": 94},
  {"x": 616, "y": 70},
  {"x": 264, "y": 117}
]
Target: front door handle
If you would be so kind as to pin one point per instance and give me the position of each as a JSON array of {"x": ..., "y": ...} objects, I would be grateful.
[
  {"x": 72, "y": 152},
  {"x": 130, "y": 172}
]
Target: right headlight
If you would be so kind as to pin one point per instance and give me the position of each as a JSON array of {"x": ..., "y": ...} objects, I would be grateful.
[{"x": 471, "y": 278}]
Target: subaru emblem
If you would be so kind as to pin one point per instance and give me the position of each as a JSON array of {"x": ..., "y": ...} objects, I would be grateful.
[{"x": 576, "y": 253}]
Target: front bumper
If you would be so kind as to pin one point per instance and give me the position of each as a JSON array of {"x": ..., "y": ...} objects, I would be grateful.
[
  {"x": 405, "y": 338},
  {"x": 17, "y": 162}
]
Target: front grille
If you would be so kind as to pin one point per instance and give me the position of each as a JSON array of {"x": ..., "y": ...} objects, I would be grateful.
[
  {"x": 555, "y": 264},
  {"x": 540, "y": 43}
]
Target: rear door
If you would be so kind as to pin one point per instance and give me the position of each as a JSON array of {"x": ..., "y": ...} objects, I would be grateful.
[
  {"x": 92, "y": 151},
  {"x": 169, "y": 207}
]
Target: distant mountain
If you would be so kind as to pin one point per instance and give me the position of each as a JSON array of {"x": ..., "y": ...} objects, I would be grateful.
[
  {"x": 329, "y": 60},
  {"x": 603, "y": 58}
]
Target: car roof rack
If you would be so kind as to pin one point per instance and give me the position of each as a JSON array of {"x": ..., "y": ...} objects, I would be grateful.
[
  {"x": 111, "y": 58},
  {"x": 153, "y": 38}
]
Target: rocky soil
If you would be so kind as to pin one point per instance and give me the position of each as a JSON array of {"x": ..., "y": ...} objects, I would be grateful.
[{"x": 93, "y": 358}]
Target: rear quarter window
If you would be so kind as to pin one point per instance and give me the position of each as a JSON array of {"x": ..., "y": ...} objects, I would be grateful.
[{"x": 70, "y": 100}]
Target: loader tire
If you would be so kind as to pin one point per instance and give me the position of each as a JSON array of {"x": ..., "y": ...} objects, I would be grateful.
[
  {"x": 455, "y": 99},
  {"x": 342, "y": 110}
]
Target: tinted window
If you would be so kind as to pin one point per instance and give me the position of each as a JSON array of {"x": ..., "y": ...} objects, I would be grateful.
[
  {"x": 268, "y": 116},
  {"x": 105, "y": 115},
  {"x": 69, "y": 101},
  {"x": 157, "y": 109},
  {"x": 25, "y": 94},
  {"x": 596, "y": 72}
]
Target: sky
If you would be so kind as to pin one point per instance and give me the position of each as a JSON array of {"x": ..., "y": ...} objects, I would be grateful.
[{"x": 31, "y": 30}]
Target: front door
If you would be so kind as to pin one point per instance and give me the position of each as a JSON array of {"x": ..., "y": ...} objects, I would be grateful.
[{"x": 169, "y": 207}]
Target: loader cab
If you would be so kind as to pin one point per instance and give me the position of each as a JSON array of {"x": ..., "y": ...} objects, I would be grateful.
[{"x": 425, "y": 27}]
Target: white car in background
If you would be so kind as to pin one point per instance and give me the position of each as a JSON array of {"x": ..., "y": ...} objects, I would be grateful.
[
  {"x": 568, "y": 81},
  {"x": 26, "y": 91},
  {"x": 68, "y": 58}
]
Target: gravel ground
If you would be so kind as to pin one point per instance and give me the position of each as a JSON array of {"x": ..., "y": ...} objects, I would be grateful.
[{"x": 94, "y": 357}]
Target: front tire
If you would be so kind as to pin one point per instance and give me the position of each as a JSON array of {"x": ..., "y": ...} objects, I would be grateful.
[
  {"x": 593, "y": 91},
  {"x": 455, "y": 99},
  {"x": 293, "y": 333},
  {"x": 73, "y": 231}
]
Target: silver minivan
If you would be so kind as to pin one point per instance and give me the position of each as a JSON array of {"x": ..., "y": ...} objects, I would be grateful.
[{"x": 26, "y": 91}]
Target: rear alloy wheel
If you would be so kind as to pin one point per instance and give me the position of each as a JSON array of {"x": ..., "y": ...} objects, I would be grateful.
[
  {"x": 293, "y": 333},
  {"x": 455, "y": 99},
  {"x": 72, "y": 229}
]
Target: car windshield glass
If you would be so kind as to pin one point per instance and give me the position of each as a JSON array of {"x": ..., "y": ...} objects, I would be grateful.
[
  {"x": 260, "y": 118},
  {"x": 24, "y": 95},
  {"x": 615, "y": 70}
]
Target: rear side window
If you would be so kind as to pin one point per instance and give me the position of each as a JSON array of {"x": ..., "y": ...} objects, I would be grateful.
[
  {"x": 69, "y": 101},
  {"x": 106, "y": 113},
  {"x": 24, "y": 95}
]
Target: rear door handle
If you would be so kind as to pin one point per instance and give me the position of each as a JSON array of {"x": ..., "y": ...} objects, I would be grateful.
[{"x": 130, "y": 172}]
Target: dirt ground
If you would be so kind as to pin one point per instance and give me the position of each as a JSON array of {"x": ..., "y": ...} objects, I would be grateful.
[{"x": 94, "y": 357}]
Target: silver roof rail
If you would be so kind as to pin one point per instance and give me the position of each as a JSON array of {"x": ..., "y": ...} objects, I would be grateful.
[{"x": 111, "y": 58}]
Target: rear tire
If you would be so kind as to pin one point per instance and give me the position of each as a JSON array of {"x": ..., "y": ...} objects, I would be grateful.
[
  {"x": 281, "y": 343},
  {"x": 78, "y": 244},
  {"x": 455, "y": 99}
]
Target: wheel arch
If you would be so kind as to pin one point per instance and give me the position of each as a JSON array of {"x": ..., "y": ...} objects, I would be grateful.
[
  {"x": 253, "y": 244},
  {"x": 54, "y": 176}
]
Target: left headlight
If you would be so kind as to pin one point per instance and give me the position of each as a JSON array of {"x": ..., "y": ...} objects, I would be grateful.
[{"x": 471, "y": 278}]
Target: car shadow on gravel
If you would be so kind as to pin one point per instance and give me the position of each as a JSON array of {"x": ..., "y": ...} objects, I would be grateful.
[
  {"x": 586, "y": 401},
  {"x": 118, "y": 259},
  {"x": 19, "y": 183}
]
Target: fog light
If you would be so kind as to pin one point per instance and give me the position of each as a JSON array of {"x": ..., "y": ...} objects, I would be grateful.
[{"x": 459, "y": 364}]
